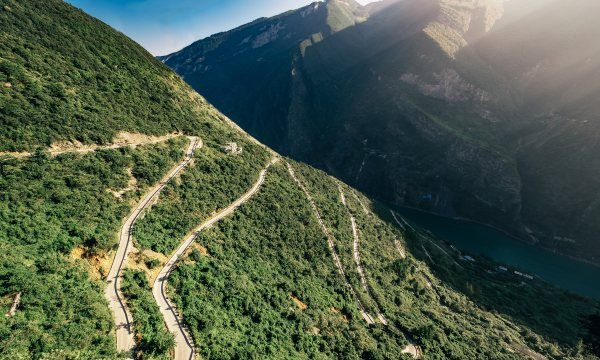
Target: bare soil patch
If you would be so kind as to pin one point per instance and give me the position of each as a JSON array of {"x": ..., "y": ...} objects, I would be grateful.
[
  {"x": 123, "y": 139},
  {"x": 131, "y": 185},
  {"x": 302, "y": 306},
  {"x": 139, "y": 260},
  {"x": 97, "y": 265}
]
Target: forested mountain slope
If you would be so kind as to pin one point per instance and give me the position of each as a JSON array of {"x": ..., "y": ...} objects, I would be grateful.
[
  {"x": 65, "y": 87},
  {"x": 302, "y": 269},
  {"x": 484, "y": 110}
]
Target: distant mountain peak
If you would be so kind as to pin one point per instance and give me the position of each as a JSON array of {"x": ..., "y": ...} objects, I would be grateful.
[
  {"x": 352, "y": 3},
  {"x": 278, "y": 34},
  {"x": 342, "y": 14},
  {"x": 460, "y": 22}
]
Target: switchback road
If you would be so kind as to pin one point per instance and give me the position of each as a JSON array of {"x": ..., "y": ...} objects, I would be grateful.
[
  {"x": 184, "y": 347},
  {"x": 331, "y": 242},
  {"x": 121, "y": 315}
]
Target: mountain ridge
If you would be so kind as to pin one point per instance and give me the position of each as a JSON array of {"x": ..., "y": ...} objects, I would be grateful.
[{"x": 464, "y": 125}]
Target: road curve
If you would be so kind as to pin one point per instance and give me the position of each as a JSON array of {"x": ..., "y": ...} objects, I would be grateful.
[
  {"x": 184, "y": 347},
  {"x": 121, "y": 315},
  {"x": 331, "y": 242}
]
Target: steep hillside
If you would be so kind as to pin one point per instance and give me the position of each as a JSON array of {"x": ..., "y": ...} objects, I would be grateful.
[
  {"x": 71, "y": 89},
  {"x": 235, "y": 66},
  {"x": 65, "y": 87},
  {"x": 104, "y": 232},
  {"x": 476, "y": 109}
]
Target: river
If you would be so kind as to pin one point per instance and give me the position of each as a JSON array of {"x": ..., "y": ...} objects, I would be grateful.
[{"x": 578, "y": 277}]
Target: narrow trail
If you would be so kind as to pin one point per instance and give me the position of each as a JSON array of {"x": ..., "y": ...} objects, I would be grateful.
[
  {"x": 410, "y": 349},
  {"x": 416, "y": 351},
  {"x": 121, "y": 314},
  {"x": 413, "y": 351},
  {"x": 403, "y": 224},
  {"x": 356, "y": 253},
  {"x": 362, "y": 205},
  {"x": 331, "y": 242},
  {"x": 427, "y": 253},
  {"x": 397, "y": 244},
  {"x": 15, "y": 304},
  {"x": 84, "y": 149},
  {"x": 184, "y": 346},
  {"x": 526, "y": 351}
]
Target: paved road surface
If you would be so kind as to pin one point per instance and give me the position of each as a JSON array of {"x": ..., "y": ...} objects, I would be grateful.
[
  {"x": 121, "y": 315},
  {"x": 184, "y": 347}
]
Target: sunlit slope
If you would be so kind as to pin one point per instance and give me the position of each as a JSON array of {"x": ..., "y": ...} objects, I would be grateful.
[
  {"x": 68, "y": 79},
  {"x": 264, "y": 281},
  {"x": 67, "y": 76},
  {"x": 59, "y": 219}
]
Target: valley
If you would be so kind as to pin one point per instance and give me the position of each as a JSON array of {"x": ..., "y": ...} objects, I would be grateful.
[
  {"x": 143, "y": 223},
  {"x": 422, "y": 103},
  {"x": 570, "y": 274}
]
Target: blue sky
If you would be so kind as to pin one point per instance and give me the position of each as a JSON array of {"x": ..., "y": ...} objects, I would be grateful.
[{"x": 165, "y": 26}]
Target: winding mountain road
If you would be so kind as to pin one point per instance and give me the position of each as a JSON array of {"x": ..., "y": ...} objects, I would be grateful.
[
  {"x": 121, "y": 314},
  {"x": 356, "y": 253},
  {"x": 403, "y": 224},
  {"x": 331, "y": 242},
  {"x": 184, "y": 347}
]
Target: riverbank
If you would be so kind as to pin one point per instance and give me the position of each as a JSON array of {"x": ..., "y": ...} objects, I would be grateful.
[{"x": 478, "y": 239}]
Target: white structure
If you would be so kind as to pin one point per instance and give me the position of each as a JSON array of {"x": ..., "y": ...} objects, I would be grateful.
[{"x": 232, "y": 148}]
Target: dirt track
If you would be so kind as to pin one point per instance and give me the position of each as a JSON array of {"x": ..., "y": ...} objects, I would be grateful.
[{"x": 331, "y": 242}]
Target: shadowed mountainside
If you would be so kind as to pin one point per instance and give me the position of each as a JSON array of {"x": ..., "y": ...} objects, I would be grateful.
[{"x": 478, "y": 109}]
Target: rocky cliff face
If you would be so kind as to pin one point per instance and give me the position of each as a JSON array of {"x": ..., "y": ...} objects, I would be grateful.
[
  {"x": 459, "y": 22},
  {"x": 248, "y": 72},
  {"x": 468, "y": 108}
]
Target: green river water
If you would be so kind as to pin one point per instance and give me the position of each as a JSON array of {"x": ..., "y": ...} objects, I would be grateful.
[{"x": 578, "y": 277}]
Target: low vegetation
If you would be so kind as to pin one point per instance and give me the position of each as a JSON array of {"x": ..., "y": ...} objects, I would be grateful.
[
  {"x": 153, "y": 340},
  {"x": 541, "y": 310},
  {"x": 241, "y": 300},
  {"x": 264, "y": 284},
  {"x": 453, "y": 308},
  {"x": 99, "y": 84}
]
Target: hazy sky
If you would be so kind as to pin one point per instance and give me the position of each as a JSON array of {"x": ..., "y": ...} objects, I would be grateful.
[{"x": 165, "y": 26}]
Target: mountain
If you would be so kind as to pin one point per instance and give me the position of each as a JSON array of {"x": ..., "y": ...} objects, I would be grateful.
[
  {"x": 124, "y": 195},
  {"x": 474, "y": 109},
  {"x": 257, "y": 56}
]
